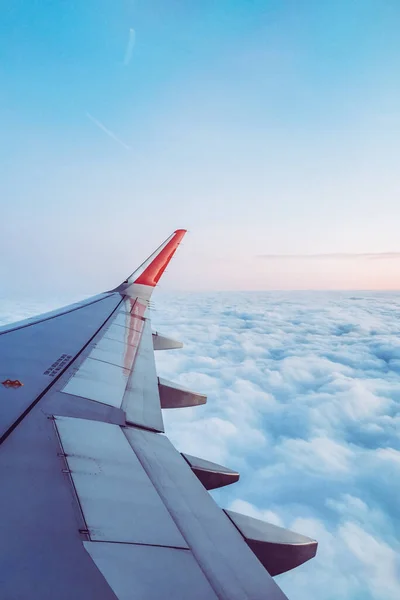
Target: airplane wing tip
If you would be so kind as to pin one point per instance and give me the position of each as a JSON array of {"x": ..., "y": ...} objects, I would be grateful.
[
  {"x": 159, "y": 261},
  {"x": 150, "y": 272}
]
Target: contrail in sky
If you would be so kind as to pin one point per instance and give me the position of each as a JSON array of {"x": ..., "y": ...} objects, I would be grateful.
[
  {"x": 129, "y": 47},
  {"x": 107, "y": 131},
  {"x": 332, "y": 255}
]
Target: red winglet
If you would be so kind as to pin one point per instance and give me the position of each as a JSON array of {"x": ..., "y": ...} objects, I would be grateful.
[{"x": 152, "y": 273}]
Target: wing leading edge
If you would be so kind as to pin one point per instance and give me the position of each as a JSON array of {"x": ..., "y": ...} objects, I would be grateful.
[
  {"x": 95, "y": 501},
  {"x": 104, "y": 329}
]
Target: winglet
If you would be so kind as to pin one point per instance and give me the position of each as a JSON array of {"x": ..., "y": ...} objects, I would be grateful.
[
  {"x": 144, "y": 279},
  {"x": 156, "y": 264}
]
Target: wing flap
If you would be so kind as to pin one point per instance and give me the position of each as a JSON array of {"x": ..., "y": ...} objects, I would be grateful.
[
  {"x": 150, "y": 572},
  {"x": 118, "y": 500},
  {"x": 218, "y": 547}
]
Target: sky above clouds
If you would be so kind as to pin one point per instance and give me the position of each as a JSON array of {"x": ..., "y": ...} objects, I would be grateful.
[{"x": 264, "y": 127}]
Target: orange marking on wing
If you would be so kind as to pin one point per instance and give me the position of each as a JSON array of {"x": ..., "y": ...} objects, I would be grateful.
[
  {"x": 156, "y": 268},
  {"x": 12, "y": 383}
]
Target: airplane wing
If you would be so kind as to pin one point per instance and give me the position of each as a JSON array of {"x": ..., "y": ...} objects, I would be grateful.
[{"x": 95, "y": 501}]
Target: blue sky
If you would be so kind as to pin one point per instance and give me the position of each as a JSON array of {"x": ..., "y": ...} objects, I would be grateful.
[{"x": 264, "y": 127}]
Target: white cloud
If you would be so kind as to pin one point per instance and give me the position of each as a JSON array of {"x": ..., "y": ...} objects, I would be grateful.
[
  {"x": 207, "y": 438},
  {"x": 303, "y": 399},
  {"x": 306, "y": 388},
  {"x": 319, "y": 454},
  {"x": 390, "y": 454},
  {"x": 381, "y": 562}
]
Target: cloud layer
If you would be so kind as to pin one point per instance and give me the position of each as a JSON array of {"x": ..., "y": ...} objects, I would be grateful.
[{"x": 303, "y": 399}]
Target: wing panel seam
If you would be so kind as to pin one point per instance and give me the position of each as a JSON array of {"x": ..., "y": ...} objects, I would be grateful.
[
  {"x": 188, "y": 549},
  {"x": 71, "y": 479}
]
